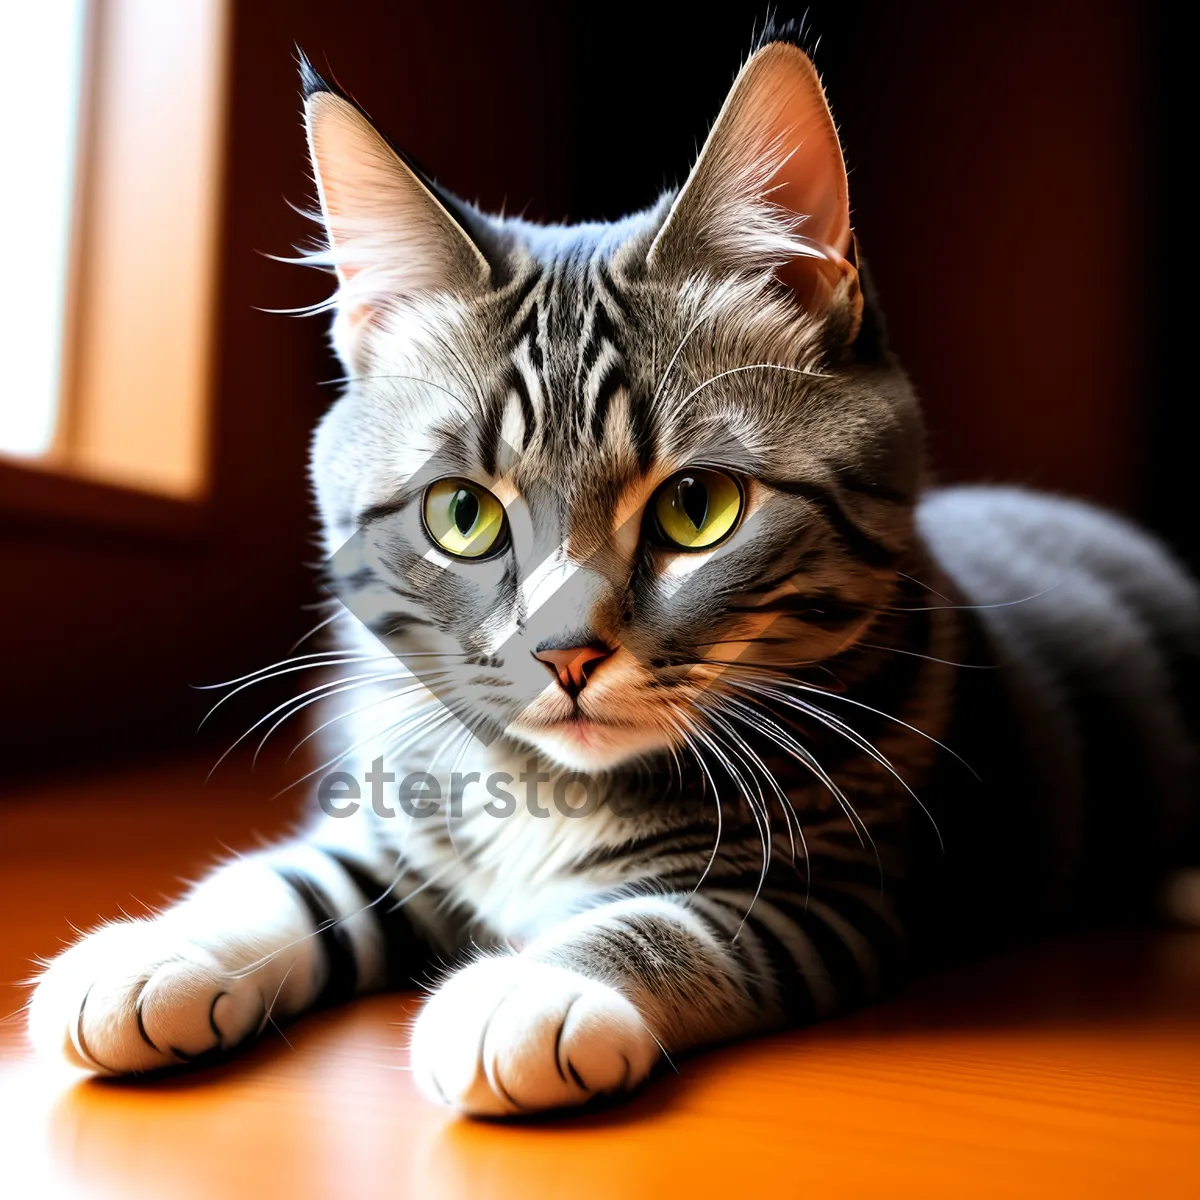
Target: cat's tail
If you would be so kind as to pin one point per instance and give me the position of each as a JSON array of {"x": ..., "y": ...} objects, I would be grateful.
[{"x": 1179, "y": 899}]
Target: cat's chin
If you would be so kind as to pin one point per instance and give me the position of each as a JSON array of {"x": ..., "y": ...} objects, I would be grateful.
[{"x": 592, "y": 745}]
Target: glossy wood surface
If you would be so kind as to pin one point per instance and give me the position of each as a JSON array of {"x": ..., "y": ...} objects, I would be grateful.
[{"x": 1067, "y": 1069}]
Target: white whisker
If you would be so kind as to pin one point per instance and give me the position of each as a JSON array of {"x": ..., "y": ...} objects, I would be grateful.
[{"x": 329, "y": 687}]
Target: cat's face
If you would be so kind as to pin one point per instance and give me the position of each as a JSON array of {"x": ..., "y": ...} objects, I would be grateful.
[{"x": 578, "y": 472}]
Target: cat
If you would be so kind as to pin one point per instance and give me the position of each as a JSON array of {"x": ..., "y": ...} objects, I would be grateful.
[{"x": 640, "y": 510}]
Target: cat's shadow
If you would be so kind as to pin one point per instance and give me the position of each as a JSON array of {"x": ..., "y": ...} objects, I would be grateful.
[
  {"x": 236, "y": 1066},
  {"x": 1032, "y": 986},
  {"x": 227, "y": 1067},
  {"x": 129, "y": 1129}
]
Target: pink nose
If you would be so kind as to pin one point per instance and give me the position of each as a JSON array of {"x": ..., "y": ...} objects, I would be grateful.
[{"x": 572, "y": 667}]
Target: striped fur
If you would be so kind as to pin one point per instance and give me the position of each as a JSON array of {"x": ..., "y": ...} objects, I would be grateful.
[{"x": 876, "y": 727}]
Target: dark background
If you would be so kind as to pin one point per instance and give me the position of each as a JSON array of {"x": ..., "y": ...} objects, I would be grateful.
[{"x": 1012, "y": 192}]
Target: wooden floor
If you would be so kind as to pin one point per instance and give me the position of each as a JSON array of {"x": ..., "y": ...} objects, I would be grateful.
[{"x": 1070, "y": 1069}]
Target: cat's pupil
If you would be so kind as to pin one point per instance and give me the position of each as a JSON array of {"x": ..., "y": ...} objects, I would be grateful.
[
  {"x": 692, "y": 497},
  {"x": 465, "y": 509}
]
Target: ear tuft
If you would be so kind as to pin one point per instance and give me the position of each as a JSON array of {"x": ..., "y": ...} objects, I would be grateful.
[
  {"x": 310, "y": 81},
  {"x": 794, "y": 31},
  {"x": 391, "y": 239}
]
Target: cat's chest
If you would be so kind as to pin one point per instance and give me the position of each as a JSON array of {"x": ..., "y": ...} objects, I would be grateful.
[
  {"x": 510, "y": 841},
  {"x": 515, "y": 874}
]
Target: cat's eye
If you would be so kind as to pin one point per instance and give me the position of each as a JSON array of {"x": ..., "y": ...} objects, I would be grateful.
[
  {"x": 697, "y": 508},
  {"x": 464, "y": 519}
]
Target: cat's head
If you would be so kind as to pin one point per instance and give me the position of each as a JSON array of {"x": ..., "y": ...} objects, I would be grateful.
[{"x": 577, "y": 470}]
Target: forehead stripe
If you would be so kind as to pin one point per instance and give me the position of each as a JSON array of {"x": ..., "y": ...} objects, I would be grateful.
[
  {"x": 528, "y": 332},
  {"x": 528, "y": 416},
  {"x": 643, "y": 432},
  {"x": 523, "y": 291},
  {"x": 614, "y": 379},
  {"x": 489, "y": 432},
  {"x": 611, "y": 290}
]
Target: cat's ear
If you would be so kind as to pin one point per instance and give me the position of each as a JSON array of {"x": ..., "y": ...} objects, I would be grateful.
[
  {"x": 768, "y": 192},
  {"x": 390, "y": 238}
]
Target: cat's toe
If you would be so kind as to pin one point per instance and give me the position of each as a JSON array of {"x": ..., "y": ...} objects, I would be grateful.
[
  {"x": 510, "y": 1036},
  {"x": 130, "y": 997}
]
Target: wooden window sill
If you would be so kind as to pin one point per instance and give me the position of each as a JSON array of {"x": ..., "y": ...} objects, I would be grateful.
[{"x": 45, "y": 498}]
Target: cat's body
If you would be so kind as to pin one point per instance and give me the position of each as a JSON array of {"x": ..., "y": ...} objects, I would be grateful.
[
  {"x": 1084, "y": 734},
  {"x": 861, "y": 722}
]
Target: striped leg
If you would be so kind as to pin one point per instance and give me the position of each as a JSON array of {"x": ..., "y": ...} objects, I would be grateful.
[
  {"x": 261, "y": 939},
  {"x": 588, "y": 1007},
  {"x": 804, "y": 958}
]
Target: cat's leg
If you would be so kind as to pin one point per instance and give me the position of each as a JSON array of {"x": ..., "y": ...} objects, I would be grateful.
[
  {"x": 263, "y": 938},
  {"x": 591, "y": 1006}
]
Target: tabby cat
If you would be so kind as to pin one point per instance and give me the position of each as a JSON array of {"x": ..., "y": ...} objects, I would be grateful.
[{"x": 738, "y": 722}]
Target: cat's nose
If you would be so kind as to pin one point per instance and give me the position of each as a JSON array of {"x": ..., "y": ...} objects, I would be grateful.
[{"x": 573, "y": 665}]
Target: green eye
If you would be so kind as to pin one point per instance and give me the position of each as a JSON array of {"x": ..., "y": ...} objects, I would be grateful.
[
  {"x": 697, "y": 508},
  {"x": 462, "y": 518}
]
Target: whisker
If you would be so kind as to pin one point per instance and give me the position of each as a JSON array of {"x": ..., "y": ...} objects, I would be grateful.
[
  {"x": 341, "y": 662},
  {"x": 344, "y": 379},
  {"x": 924, "y": 586},
  {"x": 355, "y": 711},
  {"x": 790, "y": 815},
  {"x": 712, "y": 858},
  {"x": 748, "y": 367},
  {"x": 855, "y": 738},
  {"x": 325, "y": 658},
  {"x": 927, "y": 657},
  {"x": 950, "y": 606},
  {"x": 683, "y": 341},
  {"x": 271, "y": 1008},
  {"x": 764, "y": 832},
  {"x": 320, "y": 688},
  {"x": 287, "y": 716},
  {"x": 765, "y": 835},
  {"x": 341, "y": 612},
  {"x": 381, "y": 731},
  {"x": 313, "y": 660},
  {"x": 784, "y": 680},
  {"x": 258, "y": 964},
  {"x": 785, "y": 741}
]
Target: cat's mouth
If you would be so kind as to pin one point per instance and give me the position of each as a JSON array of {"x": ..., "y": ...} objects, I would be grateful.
[
  {"x": 583, "y": 742},
  {"x": 587, "y": 731}
]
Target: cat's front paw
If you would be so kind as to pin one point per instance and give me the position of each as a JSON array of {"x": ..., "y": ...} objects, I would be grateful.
[
  {"x": 512, "y": 1035},
  {"x": 134, "y": 997}
]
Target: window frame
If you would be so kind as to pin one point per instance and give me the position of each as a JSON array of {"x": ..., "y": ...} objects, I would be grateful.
[{"x": 69, "y": 484}]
